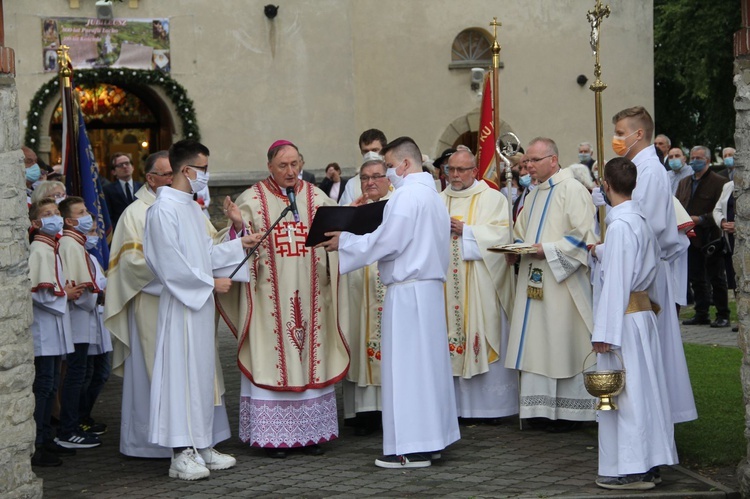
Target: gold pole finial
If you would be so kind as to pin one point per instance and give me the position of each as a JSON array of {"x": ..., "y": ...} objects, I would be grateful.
[
  {"x": 495, "y": 45},
  {"x": 594, "y": 18},
  {"x": 64, "y": 64}
]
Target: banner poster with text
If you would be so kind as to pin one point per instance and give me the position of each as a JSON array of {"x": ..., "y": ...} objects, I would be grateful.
[{"x": 107, "y": 43}]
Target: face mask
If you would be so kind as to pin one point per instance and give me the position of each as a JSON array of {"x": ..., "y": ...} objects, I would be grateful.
[
  {"x": 619, "y": 146},
  {"x": 33, "y": 173},
  {"x": 675, "y": 164},
  {"x": 200, "y": 182},
  {"x": 52, "y": 225},
  {"x": 525, "y": 181},
  {"x": 606, "y": 199},
  {"x": 60, "y": 200},
  {"x": 698, "y": 165},
  {"x": 85, "y": 224},
  {"x": 584, "y": 157},
  {"x": 91, "y": 242},
  {"x": 395, "y": 179},
  {"x": 729, "y": 162}
]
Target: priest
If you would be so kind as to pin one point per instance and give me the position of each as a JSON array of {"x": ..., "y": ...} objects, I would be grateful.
[
  {"x": 361, "y": 293},
  {"x": 550, "y": 332},
  {"x": 478, "y": 294},
  {"x": 290, "y": 350}
]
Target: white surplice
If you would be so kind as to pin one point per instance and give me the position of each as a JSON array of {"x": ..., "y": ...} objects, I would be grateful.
[
  {"x": 640, "y": 434},
  {"x": 182, "y": 255},
  {"x": 654, "y": 196},
  {"x": 419, "y": 408},
  {"x": 102, "y": 338}
]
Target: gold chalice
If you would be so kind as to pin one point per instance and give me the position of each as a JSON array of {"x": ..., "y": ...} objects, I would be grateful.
[{"x": 605, "y": 384}]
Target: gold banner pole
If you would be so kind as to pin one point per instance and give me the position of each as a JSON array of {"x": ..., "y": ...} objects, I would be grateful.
[{"x": 595, "y": 19}]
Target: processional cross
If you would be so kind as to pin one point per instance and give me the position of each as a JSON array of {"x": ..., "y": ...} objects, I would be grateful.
[{"x": 595, "y": 19}]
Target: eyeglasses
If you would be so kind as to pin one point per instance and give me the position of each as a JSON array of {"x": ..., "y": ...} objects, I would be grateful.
[
  {"x": 168, "y": 174},
  {"x": 537, "y": 160},
  {"x": 458, "y": 169},
  {"x": 204, "y": 169},
  {"x": 124, "y": 163},
  {"x": 374, "y": 178}
]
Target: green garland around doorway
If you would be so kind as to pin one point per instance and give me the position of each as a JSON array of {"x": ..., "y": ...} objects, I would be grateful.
[{"x": 175, "y": 91}]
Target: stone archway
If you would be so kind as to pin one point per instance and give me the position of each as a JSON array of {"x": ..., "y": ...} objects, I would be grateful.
[
  {"x": 469, "y": 123},
  {"x": 164, "y": 96}
]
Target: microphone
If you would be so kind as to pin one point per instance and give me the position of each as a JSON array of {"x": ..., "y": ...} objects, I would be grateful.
[{"x": 292, "y": 202}]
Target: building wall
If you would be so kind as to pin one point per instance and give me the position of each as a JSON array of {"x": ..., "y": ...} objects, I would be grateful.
[
  {"x": 17, "y": 429},
  {"x": 324, "y": 70}
]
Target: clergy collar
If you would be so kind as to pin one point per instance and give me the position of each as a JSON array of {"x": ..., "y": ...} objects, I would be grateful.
[
  {"x": 80, "y": 238},
  {"x": 277, "y": 190},
  {"x": 475, "y": 188},
  {"x": 559, "y": 176}
]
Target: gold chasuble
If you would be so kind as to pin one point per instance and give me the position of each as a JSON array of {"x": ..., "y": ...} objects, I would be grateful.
[
  {"x": 285, "y": 318},
  {"x": 477, "y": 289}
]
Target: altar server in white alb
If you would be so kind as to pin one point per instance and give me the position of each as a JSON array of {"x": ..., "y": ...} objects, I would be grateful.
[
  {"x": 478, "y": 294},
  {"x": 550, "y": 332},
  {"x": 181, "y": 254},
  {"x": 638, "y": 437},
  {"x": 411, "y": 247},
  {"x": 633, "y": 131}
]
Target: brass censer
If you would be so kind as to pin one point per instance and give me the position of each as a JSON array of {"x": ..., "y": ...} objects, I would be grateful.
[{"x": 604, "y": 384}]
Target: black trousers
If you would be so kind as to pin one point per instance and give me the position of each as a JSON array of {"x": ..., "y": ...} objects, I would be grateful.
[{"x": 707, "y": 276}]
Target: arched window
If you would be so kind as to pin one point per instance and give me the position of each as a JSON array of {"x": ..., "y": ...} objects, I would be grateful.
[{"x": 472, "y": 48}]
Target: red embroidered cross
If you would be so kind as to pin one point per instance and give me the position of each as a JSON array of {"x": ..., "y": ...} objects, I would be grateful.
[{"x": 289, "y": 239}]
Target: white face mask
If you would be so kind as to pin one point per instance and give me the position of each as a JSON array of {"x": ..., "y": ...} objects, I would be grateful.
[
  {"x": 200, "y": 182},
  {"x": 91, "y": 242},
  {"x": 395, "y": 178}
]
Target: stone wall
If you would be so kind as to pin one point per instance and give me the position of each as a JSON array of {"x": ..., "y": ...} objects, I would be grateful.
[{"x": 17, "y": 427}]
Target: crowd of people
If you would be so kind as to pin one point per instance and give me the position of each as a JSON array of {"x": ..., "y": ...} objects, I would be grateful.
[{"x": 423, "y": 322}]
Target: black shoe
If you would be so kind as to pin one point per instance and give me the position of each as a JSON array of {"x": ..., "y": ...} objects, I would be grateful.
[
  {"x": 313, "y": 450},
  {"x": 720, "y": 323},
  {"x": 538, "y": 423},
  {"x": 363, "y": 431},
  {"x": 44, "y": 458},
  {"x": 276, "y": 453},
  {"x": 736, "y": 329},
  {"x": 696, "y": 321},
  {"x": 492, "y": 421},
  {"x": 93, "y": 427},
  {"x": 54, "y": 448}
]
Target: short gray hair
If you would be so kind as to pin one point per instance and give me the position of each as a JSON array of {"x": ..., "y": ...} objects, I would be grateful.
[
  {"x": 551, "y": 145},
  {"x": 586, "y": 144},
  {"x": 43, "y": 189},
  {"x": 669, "y": 142},
  {"x": 706, "y": 151}
]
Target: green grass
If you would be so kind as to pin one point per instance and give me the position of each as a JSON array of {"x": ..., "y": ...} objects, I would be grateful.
[
  {"x": 716, "y": 438},
  {"x": 689, "y": 311}
]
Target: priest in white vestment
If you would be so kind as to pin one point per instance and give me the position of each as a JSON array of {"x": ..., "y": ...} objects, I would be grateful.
[
  {"x": 290, "y": 350},
  {"x": 361, "y": 295},
  {"x": 478, "y": 294},
  {"x": 411, "y": 247},
  {"x": 181, "y": 254},
  {"x": 130, "y": 313},
  {"x": 639, "y": 436},
  {"x": 550, "y": 332},
  {"x": 633, "y": 131}
]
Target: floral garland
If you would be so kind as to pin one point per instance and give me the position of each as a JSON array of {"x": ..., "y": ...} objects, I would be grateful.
[{"x": 175, "y": 91}]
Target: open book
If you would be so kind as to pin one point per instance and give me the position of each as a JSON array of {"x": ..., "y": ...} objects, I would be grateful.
[
  {"x": 355, "y": 219},
  {"x": 515, "y": 248}
]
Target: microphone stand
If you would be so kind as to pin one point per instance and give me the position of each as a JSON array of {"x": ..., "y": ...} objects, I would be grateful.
[{"x": 252, "y": 251}]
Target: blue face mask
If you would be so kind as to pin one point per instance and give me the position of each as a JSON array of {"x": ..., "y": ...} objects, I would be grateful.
[
  {"x": 606, "y": 199},
  {"x": 51, "y": 225},
  {"x": 85, "y": 224},
  {"x": 33, "y": 173},
  {"x": 675, "y": 164},
  {"x": 584, "y": 157},
  {"x": 524, "y": 181},
  {"x": 698, "y": 165},
  {"x": 91, "y": 242},
  {"x": 729, "y": 162}
]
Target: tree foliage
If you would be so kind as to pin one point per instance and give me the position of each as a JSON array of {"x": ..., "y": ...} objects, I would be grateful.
[{"x": 693, "y": 69}]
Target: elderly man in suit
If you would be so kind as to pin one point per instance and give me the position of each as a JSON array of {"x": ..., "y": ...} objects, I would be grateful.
[
  {"x": 120, "y": 193},
  {"x": 699, "y": 194}
]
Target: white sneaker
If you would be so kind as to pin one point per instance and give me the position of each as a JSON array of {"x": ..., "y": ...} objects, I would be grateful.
[
  {"x": 187, "y": 465},
  {"x": 215, "y": 460}
]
